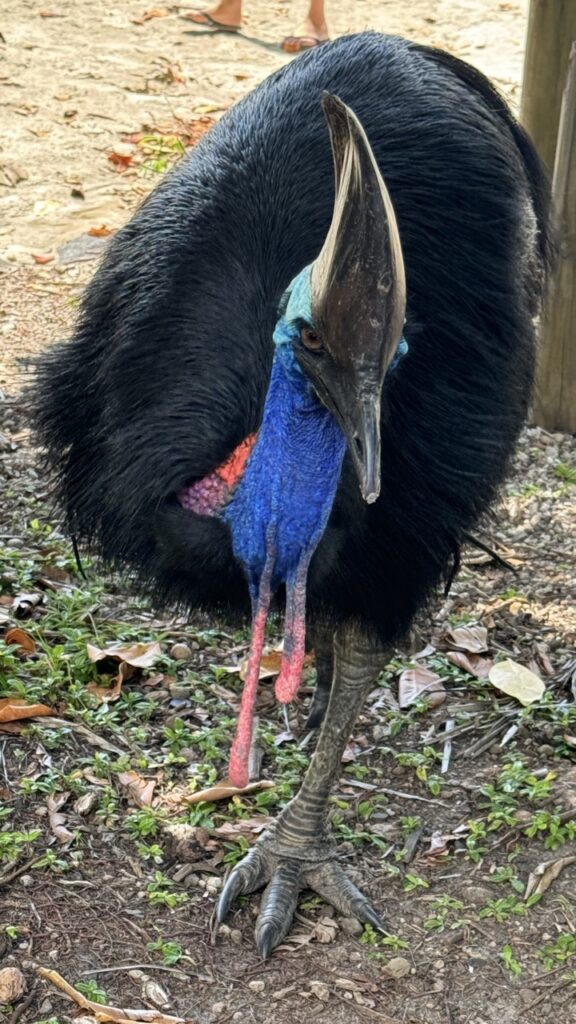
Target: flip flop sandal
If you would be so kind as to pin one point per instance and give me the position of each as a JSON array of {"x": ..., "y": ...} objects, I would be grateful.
[
  {"x": 209, "y": 22},
  {"x": 296, "y": 44}
]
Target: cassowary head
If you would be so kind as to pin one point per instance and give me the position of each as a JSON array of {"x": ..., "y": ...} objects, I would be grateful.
[
  {"x": 349, "y": 305},
  {"x": 340, "y": 325}
]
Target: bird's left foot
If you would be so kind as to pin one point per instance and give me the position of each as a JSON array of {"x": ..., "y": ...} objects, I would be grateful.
[{"x": 285, "y": 871}]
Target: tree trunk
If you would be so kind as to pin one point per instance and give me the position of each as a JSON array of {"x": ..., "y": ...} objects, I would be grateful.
[
  {"x": 551, "y": 31},
  {"x": 555, "y": 403}
]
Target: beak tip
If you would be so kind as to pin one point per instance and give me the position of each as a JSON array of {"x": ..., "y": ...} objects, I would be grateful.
[{"x": 371, "y": 496}]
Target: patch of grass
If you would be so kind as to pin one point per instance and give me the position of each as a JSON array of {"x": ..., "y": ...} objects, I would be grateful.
[
  {"x": 170, "y": 952},
  {"x": 565, "y": 472},
  {"x": 559, "y": 952},
  {"x": 445, "y": 910},
  {"x": 160, "y": 892},
  {"x": 92, "y": 991},
  {"x": 509, "y": 961}
]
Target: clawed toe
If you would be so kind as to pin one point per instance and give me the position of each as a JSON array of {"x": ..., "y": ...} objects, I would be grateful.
[
  {"x": 286, "y": 876},
  {"x": 248, "y": 876},
  {"x": 331, "y": 882}
]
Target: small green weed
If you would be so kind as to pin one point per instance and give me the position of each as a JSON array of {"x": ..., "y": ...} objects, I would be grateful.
[
  {"x": 170, "y": 952},
  {"x": 92, "y": 991}
]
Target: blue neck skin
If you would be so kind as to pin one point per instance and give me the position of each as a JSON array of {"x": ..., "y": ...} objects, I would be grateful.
[{"x": 286, "y": 493}]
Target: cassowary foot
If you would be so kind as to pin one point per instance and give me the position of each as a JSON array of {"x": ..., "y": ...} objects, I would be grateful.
[{"x": 285, "y": 871}]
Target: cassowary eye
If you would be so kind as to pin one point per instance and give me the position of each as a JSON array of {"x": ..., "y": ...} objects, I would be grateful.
[{"x": 310, "y": 339}]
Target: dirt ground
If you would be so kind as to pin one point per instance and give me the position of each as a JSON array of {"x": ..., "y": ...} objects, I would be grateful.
[{"x": 96, "y": 102}]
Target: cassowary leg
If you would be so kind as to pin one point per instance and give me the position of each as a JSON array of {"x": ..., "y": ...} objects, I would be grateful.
[
  {"x": 322, "y": 640},
  {"x": 299, "y": 851}
]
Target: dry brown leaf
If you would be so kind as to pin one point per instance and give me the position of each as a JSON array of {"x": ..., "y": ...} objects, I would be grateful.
[
  {"x": 248, "y": 827},
  {"x": 474, "y": 664},
  {"x": 138, "y": 655},
  {"x": 12, "y": 985},
  {"x": 101, "y": 232},
  {"x": 325, "y": 930},
  {"x": 110, "y": 693},
  {"x": 14, "y": 709},
  {"x": 54, "y": 802},
  {"x": 20, "y": 638},
  {"x": 469, "y": 638},
  {"x": 269, "y": 665},
  {"x": 224, "y": 790},
  {"x": 516, "y": 681},
  {"x": 139, "y": 790},
  {"x": 121, "y": 158},
  {"x": 542, "y": 877},
  {"x": 419, "y": 682}
]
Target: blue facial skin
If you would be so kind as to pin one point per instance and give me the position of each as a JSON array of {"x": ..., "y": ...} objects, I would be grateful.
[{"x": 286, "y": 493}]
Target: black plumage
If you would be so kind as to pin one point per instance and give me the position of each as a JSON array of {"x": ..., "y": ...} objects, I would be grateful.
[{"x": 169, "y": 365}]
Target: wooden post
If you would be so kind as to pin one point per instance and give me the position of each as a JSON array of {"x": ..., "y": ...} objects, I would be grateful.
[
  {"x": 555, "y": 401},
  {"x": 551, "y": 30}
]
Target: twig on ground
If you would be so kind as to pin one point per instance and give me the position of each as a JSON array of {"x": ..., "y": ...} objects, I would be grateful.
[
  {"x": 22, "y": 1006},
  {"x": 108, "y": 1013},
  {"x": 447, "y": 753}
]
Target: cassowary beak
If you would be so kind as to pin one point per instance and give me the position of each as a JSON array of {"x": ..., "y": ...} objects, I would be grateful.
[{"x": 358, "y": 296}]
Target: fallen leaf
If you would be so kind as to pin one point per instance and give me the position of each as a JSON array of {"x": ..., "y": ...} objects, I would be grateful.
[
  {"x": 101, "y": 232},
  {"x": 248, "y": 827},
  {"x": 325, "y": 930},
  {"x": 223, "y": 790},
  {"x": 469, "y": 638},
  {"x": 88, "y": 802},
  {"x": 474, "y": 664},
  {"x": 14, "y": 709},
  {"x": 121, "y": 158},
  {"x": 269, "y": 665},
  {"x": 20, "y": 638},
  {"x": 57, "y": 821},
  {"x": 397, "y": 967},
  {"x": 416, "y": 683},
  {"x": 107, "y": 694},
  {"x": 542, "y": 877},
  {"x": 516, "y": 681},
  {"x": 154, "y": 12},
  {"x": 12, "y": 985},
  {"x": 139, "y": 790},
  {"x": 138, "y": 655}
]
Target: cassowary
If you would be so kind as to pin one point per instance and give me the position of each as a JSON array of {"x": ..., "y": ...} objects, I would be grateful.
[{"x": 301, "y": 369}]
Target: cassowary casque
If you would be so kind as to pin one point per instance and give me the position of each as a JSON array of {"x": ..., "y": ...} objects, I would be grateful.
[{"x": 301, "y": 369}]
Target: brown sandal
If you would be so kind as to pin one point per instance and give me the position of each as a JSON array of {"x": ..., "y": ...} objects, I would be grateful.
[{"x": 297, "y": 44}]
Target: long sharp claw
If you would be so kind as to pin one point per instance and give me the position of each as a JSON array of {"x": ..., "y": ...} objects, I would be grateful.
[
  {"x": 365, "y": 912},
  {"x": 246, "y": 877},
  {"x": 278, "y": 905},
  {"x": 332, "y": 883}
]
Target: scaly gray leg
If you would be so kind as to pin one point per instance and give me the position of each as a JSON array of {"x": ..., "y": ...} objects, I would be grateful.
[
  {"x": 322, "y": 640},
  {"x": 299, "y": 851}
]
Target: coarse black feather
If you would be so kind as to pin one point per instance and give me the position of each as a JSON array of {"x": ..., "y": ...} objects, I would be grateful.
[{"x": 169, "y": 365}]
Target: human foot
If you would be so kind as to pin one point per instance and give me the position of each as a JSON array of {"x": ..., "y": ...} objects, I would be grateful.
[
  {"x": 225, "y": 16},
  {"x": 306, "y": 35}
]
